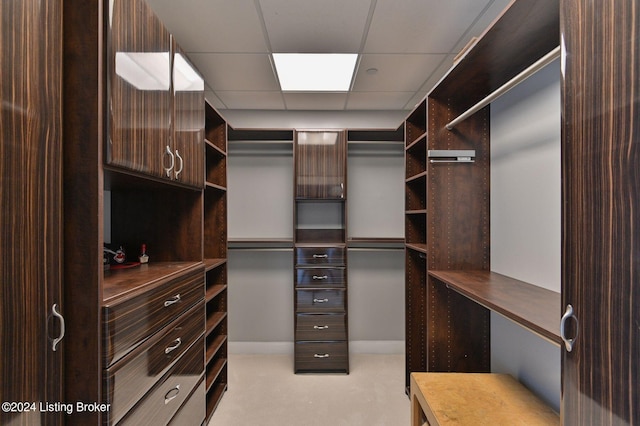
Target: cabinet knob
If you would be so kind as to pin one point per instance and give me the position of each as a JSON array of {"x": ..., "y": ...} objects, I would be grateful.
[{"x": 568, "y": 342}]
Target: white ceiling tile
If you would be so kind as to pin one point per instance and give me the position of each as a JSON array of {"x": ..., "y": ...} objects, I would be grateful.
[
  {"x": 378, "y": 100},
  {"x": 315, "y": 101},
  {"x": 420, "y": 26},
  {"x": 483, "y": 21},
  {"x": 313, "y": 26},
  {"x": 404, "y": 73},
  {"x": 252, "y": 100},
  {"x": 228, "y": 71},
  {"x": 213, "y": 25}
]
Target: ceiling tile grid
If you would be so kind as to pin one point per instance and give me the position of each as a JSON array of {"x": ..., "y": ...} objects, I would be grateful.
[{"x": 404, "y": 46}]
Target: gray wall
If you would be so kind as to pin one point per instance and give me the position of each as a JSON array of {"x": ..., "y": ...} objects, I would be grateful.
[{"x": 526, "y": 220}]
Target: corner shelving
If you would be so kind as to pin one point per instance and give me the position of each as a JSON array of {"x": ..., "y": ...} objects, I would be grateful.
[{"x": 215, "y": 258}]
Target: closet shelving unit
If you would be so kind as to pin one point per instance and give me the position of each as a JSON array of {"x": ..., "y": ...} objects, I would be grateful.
[
  {"x": 450, "y": 288},
  {"x": 215, "y": 258}
]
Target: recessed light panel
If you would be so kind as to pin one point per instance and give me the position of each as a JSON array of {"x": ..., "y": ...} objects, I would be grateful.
[{"x": 315, "y": 72}]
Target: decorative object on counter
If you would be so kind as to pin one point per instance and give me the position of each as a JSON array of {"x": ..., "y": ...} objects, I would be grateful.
[
  {"x": 119, "y": 255},
  {"x": 144, "y": 257}
]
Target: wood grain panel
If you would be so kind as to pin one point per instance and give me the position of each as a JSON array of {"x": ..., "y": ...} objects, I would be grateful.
[
  {"x": 322, "y": 357},
  {"x": 188, "y": 121},
  {"x": 321, "y": 277},
  {"x": 30, "y": 206},
  {"x": 321, "y": 327},
  {"x": 139, "y": 72},
  {"x": 415, "y": 312},
  {"x": 601, "y": 210},
  {"x": 320, "y": 164}
]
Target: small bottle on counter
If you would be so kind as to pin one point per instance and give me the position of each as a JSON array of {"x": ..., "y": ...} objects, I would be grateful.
[{"x": 144, "y": 258}]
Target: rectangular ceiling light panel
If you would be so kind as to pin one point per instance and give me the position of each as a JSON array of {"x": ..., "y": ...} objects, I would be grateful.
[{"x": 315, "y": 72}]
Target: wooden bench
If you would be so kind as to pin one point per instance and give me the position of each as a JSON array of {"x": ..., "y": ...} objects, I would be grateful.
[{"x": 475, "y": 399}]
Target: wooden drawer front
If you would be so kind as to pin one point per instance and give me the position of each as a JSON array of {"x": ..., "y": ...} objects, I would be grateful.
[
  {"x": 128, "y": 380},
  {"x": 193, "y": 411},
  {"x": 129, "y": 323},
  {"x": 320, "y": 301},
  {"x": 331, "y": 356},
  {"x": 321, "y": 327},
  {"x": 320, "y": 256},
  {"x": 164, "y": 400},
  {"x": 320, "y": 277}
]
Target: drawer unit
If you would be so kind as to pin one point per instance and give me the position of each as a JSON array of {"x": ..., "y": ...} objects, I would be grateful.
[
  {"x": 321, "y": 277},
  {"x": 320, "y": 301},
  {"x": 129, "y": 379},
  {"x": 325, "y": 356},
  {"x": 320, "y": 255},
  {"x": 193, "y": 411},
  {"x": 323, "y": 327},
  {"x": 129, "y": 322},
  {"x": 164, "y": 400}
]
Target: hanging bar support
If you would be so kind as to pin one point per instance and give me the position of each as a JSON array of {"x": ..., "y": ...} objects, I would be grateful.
[{"x": 535, "y": 67}]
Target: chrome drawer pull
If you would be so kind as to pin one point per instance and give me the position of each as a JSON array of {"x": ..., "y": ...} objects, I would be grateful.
[
  {"x": 321, "y": 355},
  {"x": 56, "y": 313},
  {"x": 320, "y": 327},
  {"x": 320, "y": 256},
  {"x": 174, "y": 299},
  {"x": 568, "y": 342},
  {"x": 320, "y": 300},
  {"x": 176, "y": 345},
  {"x": 320, "y": 277},
  {"x": 171, "y": 395}
]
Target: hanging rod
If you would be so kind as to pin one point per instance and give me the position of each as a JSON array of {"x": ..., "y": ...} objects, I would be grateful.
[{"x": 535, "y": 67}]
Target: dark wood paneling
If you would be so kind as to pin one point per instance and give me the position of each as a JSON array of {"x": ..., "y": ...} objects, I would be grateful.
[
  {"x": 320, "y": 164},
  {"x": 193, "y": 411},
  {"x": 188, "y": 123},
  {"x": 415, "y": 312},
  {"x": 320, "y": 301},
  {"x": 321, "y": 327},
  {"x": 215, "y": 224},
  {"x": 318, "y": 256},
  {"x": 321, "y": 277},
  {"x": 30, "y": 207},
  {"x": 601, "y": 210},
  {"x": 139, "y": 111},
  {"x": 322, "y": 357}
]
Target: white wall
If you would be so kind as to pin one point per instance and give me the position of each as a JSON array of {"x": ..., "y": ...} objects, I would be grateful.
[{"x": 526, "y": 220}]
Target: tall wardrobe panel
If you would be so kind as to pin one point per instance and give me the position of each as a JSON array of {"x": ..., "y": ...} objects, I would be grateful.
[
  {"x": 31, "y": 210},
  {"x": 139, "y": 104},
  {"x": 601, "y": 212},
  {"x": 320, "y": 255}
]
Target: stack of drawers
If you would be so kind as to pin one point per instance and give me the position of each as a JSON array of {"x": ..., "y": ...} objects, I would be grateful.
[
  {"x": 321, "y": 335},
  {"x": 153, "y": 353}
]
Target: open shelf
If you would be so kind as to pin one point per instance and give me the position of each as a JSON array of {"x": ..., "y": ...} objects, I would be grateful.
[{"x": 533, "y": 307}]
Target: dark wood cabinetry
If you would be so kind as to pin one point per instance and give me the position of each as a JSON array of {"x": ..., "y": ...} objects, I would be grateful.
[
  {"x": 31, "y": 200},
  {"x": 320, "y": 255}
]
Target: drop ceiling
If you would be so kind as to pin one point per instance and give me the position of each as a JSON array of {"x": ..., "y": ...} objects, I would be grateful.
[{"x": 404, "y": 46}]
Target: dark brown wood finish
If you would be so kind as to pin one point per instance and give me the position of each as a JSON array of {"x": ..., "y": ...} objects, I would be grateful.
[
  {"x": 83, "y": 202},
  {"x": 31, "y": 208},
  {"x": 323, "y": 356},
  {"x": 415, "y": 312},
  {"x": 320, "y": 164},
  {"x": 192, "y": 412},
  {"x": 140, "y": 105},
  {"x": 188, "y": 119},
  {"x": 533, "y": 307},
  {"x": 601, "y": 211}
]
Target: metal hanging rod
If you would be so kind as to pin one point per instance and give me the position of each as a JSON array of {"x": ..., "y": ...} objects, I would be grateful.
[{"x": 535, "y": 67}]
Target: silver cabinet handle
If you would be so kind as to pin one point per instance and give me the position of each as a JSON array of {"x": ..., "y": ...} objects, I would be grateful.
[
  {"x": 320, "y": 277},
  {"x": 321, "y": 355},
  {"x": 176, "y": 345},
  {"x": 173, "y": 162},
  {"x": 177, "y": 172},
  {"x": 171, "y": 395},
  {"x": 56, "y": 313},
  {"x": 320, "y": 327},
  {"x": 320, "y": 300},
  {"x": 174, "y": 299},
  {"x": 320, "y": 256},
  {"x": 568, "y": 343}
]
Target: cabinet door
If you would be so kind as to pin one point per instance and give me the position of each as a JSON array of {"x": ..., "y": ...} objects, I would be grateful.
[
  {"x": 601, "y": 212},
  {"x": 320, "y": 164},
  {"x": 30, "y": 210},
  {"x": 188, "y": 120},
  {"x": 139, "y": 97}
]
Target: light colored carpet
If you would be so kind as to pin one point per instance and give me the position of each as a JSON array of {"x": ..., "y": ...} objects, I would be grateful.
[{"x": 264, "y": 391}]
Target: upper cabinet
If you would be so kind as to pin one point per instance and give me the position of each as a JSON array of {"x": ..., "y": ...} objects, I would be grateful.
[
  {"x": 155, "y": 98},
  {"x": 320, "y": 164}
]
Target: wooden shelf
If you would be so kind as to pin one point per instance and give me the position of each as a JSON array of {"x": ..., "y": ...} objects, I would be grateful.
[
  {"x": 422, "y": 248},
  {"x": 209, "y": 185},
  {"x": 414, "y": 212},
  {"x": 214, "y": 290},
  {"x": 215, "y": 148},
  {"x": 214, "y": 319},
  {"x": 422, "y": 175},
  {"x": 214, "y": 371},
  {"x": 213, "y": 347},
  {"x": 214, "y": 396},
  {"x": 416, "y": 141},
  {"x": 210, "y": 264},
  {"x": 533, "y": 307}
]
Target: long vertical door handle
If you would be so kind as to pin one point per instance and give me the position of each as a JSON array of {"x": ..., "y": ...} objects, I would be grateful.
[
  {"x": 173, "y": 162},
  {"x": 56, "y": 313},
  {"x": 568, "y": 342},
  {"x": 177, "y": 172}
]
